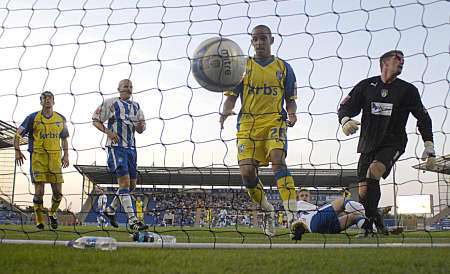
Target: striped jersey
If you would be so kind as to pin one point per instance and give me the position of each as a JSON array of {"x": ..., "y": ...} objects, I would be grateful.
[
  {"x": 44, "y": 133},
  {"x": 121, "y": 116},
  {"x": 102, "y": 202},
  {"x": 263, "y": 92}
]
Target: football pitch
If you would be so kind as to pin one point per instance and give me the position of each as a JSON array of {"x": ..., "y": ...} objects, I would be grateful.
[{"x": 32, "y": 258}]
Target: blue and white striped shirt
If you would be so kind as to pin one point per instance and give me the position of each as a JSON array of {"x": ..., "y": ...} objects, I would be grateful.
[{"x": 122, "y": 117}]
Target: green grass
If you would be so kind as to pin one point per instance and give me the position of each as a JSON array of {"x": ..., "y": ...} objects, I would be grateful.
[
  {"x": 60, "y": 259},
  {"x": 218, "y": 235}
]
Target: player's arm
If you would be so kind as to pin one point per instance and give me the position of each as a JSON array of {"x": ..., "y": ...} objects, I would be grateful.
[
  {"x": 140, "y": 125},
  {"x": 100, "y": 116},
  {"x": 65, "y": 158},
  {"x": 22, "y": 130},
  {"x": 424, "y": 124},
  {"x": 65, "y": 144},
  {"x": 290, "y": 89},
  {"x": 350, "y": 107},
  {"x": 229, "y": 103}
]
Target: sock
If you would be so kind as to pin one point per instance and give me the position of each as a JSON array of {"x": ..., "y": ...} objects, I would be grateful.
[
  {"x": 360, "y": 221},
  {"x": 125, "y": 200},
  {"x": 285, "y": 184},
  {"x": 290, "y": 207},
  {"x": 38, "y": 211},
  {"x": 258, "y": 196},
  {"x": 115, "y": 202},
  {"x": 286, "y": 187},
  {"x": 373, "y": 196},
  {"x": 55, "y": 206}
]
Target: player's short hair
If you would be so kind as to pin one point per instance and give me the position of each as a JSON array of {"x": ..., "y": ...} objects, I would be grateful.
[
  {"x": 388, "y": 54},
  {"x": 46, "y": 93},
  {"x": 268, "y": 30}
]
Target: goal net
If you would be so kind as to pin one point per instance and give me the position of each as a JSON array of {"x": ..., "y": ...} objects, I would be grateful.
[{"x": 80, "y": 50}]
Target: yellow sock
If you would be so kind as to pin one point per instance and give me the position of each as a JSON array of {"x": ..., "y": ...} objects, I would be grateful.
[
  {"x": 55, "y": 206},
  {"x": 286, "y": 187},
  {"x": 256, "y": 193},
  {"x": 38, "y": 208},
  {"x": 258, "y": 196}
]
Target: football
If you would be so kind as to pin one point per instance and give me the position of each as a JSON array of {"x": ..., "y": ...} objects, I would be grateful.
[{"x": 218, "y": 64}]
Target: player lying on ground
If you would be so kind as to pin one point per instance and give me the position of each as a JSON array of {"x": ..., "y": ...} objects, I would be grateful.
[{"x": 328, "y": 219}]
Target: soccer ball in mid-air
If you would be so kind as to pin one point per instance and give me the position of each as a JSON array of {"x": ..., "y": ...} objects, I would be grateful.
[{"x": 218, "y": 64}]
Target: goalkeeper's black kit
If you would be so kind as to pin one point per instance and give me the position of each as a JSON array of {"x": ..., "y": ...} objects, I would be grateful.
[
  {"x": 383, "y": 138},
  {"x": 386, "y": 108}
]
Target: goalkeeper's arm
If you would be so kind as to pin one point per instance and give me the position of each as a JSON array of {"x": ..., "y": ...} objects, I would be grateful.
[{"x": 350, "y": 107}]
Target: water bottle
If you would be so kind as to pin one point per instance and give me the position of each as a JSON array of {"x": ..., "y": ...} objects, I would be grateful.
[
  {"x": 101, "y": 243},
  {"x": 146, "y": 236}
]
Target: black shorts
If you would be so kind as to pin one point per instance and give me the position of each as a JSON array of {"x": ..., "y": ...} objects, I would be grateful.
[{"x": 386, "y": 155}]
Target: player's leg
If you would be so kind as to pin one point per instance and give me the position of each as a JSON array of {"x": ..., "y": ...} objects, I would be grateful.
[
  {"x": 38, "y": 172},
  {"x": 285, "y": 183},
  {"x": 56, "y": 180},
  {"x": 133, "y": 221},
  {"x": 114, "y": 154},
  {"x": 256, "y": 192},
  {"x": 353, "y": 213},
  {"x": 38, "y": 202},
  {"x": 364, "y": 162},
  {"x": 56, "y": 200},
  {"x": 115, "y": 162}
]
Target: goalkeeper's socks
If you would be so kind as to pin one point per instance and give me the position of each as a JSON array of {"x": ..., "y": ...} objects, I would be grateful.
[{"x": 125, "y": 200}]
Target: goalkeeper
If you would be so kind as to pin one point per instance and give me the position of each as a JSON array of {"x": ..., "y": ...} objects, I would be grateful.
[{"x": 386, "y": 102}]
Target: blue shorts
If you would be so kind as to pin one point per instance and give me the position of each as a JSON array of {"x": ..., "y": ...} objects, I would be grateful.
[
  {"x": 325, "y": 221},
  {"x": 122, "y": 161}
]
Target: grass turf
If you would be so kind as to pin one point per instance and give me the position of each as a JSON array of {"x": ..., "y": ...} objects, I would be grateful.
[{"x": 60, "y": 259}]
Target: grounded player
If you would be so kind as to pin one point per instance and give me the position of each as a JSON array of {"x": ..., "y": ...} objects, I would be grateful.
[
  {"x": 124, "y": 117},
  {"x": 386, "y": 102},
  {"x": 101, "y": 206},
  {"x": 262, "y": 123},
  {"x": 46, "y": 130},
  {"x": 328, "y": 219}
]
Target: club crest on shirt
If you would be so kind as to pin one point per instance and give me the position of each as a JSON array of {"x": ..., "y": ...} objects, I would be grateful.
[
  {"x": 241, "y": 148},
  {"x": 384, "y": 92},
  {"x": 279, "y": 75}
]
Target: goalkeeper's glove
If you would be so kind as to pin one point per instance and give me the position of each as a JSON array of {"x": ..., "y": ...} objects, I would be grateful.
[
  {"x": 349, "y": 126},
  {"x": 429, "y": 154}
]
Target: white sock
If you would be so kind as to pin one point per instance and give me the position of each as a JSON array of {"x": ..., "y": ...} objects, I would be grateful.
[
  {"x": 360, "y": 222},
  {"x": 115, "y": 201},
  {"x": 265, "y": 205},
  {"x": 290, "y": 207},
  {"x": 125, "y": 200}
]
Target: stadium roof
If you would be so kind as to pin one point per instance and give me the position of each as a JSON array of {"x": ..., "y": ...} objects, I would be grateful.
[
  {"x": 221, "y": 176},
  {"x": 442, "y": 165},
  {"x": 7, "y": 133}
]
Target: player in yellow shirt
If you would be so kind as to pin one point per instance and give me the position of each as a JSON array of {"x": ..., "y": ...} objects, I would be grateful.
[
  {"x": 268, "y": 93},
  {"x": 46, "y": 130},
  {"x": 139, "y": 209}
]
